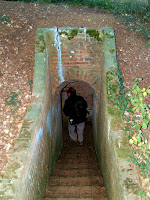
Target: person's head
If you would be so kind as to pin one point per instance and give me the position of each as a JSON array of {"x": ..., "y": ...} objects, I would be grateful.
[{"x": 71, "y": 92}]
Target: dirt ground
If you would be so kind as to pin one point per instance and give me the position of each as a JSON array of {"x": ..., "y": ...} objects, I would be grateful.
[{"x": 18, "y": 24}]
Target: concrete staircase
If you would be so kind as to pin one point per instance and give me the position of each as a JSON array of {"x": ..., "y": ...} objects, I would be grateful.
[{"x": 77, "y": 174}]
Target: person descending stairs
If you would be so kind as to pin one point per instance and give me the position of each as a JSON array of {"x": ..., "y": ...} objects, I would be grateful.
[{"x": 77, "y": 174}]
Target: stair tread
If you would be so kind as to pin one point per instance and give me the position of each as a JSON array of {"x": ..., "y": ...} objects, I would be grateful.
[
  {"x": 85, "y": 165},
  {"x": 76, "y": 172},
  {"x": 76, "y": 181},
  {"x": 76, "y": 161},
  {"x": 76, "y": 191},
  {"x": 62, "y": 198},
  {"x": 77, "y": 155}
]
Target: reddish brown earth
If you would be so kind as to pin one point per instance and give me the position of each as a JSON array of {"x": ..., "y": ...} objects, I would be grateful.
[{"x": 17, "y": 43}]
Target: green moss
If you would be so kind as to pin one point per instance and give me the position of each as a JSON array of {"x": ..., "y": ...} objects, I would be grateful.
[
  {"x": 26, "y": 124},
  {"x": 109, "y": 35},
  {"x": 64, "y": 33},
  {"x": 22, "y": 146},
  {"x": 116, "y": 117},
  {"x": 95, "y": 34},
  {"x": 124, "y": 150},
  {"x": 80, "y": 31},
  {"x": 116, "y": 123},
  {"x": 13, "y": 167},
  {"x": 40, "y": 44},
  {"x": 25, "y": 129},
  {"x": 114, "y": 111},
  {"x": 29, "y": 108},
  {"x": 130, "y": 185},
  {"x": 112, "y": 86},
  {"x": 112, "y": 50},
  {"x": 91, "y": 32},
  {"x": 110, "y": 75},
  {"x": 71, "y": 34}
]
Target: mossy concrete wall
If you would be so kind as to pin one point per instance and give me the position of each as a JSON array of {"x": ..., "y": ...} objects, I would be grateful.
[
  {"x": 112, "y": 147},
  {"x": 66, "y": 56},
  {"x": 40, "y": 140}
]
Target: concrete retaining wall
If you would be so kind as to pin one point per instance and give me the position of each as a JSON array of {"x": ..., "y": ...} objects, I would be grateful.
[
  {"x": 40, "y": 140},
  {"x": 113, "y": 151}
]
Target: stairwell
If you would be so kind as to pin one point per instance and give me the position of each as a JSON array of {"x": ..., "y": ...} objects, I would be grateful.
[
  {"x": 76, "y": 174},
  {"x": 88, "y": 61}
]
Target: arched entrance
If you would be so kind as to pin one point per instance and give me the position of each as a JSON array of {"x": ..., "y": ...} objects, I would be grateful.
[{"x": 83, "y": 89}]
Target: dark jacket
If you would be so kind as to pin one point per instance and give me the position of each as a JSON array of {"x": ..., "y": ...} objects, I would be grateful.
[{"x": 75, "y": 108}]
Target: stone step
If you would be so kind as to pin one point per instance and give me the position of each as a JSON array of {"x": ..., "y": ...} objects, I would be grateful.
[
  {"x": 53, "y": 198},
  {"x": 75, "y": 192},
  {"x": 85, "y": 165},
  {"x": 76, "y": 172},
  {"x": 78, "y": 149},
  {"x": 76, "y": 181},
  {"x": 78, "y": 156},
  {"x": 77, "y": 160}
]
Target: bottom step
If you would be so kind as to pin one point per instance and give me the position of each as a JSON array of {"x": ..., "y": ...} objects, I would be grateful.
[
  {"x": 102, "y": 198},
  {"x": 76, "y": 192}
]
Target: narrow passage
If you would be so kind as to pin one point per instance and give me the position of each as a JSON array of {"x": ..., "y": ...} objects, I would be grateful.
[{"x": 76, "y": 174}]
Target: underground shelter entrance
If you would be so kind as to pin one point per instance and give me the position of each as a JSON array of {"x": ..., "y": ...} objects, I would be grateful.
[{"x": 44, "y": 164}]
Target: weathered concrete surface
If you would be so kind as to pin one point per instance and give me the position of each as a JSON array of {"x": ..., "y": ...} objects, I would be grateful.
[{"x": 64, "y": 56}]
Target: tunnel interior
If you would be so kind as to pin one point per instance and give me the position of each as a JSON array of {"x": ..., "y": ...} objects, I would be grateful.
[{"x": 83, "y": 89}]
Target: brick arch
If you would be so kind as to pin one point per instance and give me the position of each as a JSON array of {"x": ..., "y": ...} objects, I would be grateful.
[
  {"x": 82, "y": 87},
  {"x": 73, "y": 81}
]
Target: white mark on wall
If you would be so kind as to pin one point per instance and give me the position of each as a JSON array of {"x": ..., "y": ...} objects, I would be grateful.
[
  {"x": 58, "y": 46},
  {"x": 29, "y": 176},
  {"x": 39, "y": 135},
  {"x": 84, "y": 28}
]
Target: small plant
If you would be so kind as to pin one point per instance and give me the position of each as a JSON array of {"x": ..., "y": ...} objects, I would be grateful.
[
  {"x": 137, "y": 96},
  {"x": 12, "y": 99},
  {"x": 140, "y": 122},
  {"x": 4, "y": 19}
]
